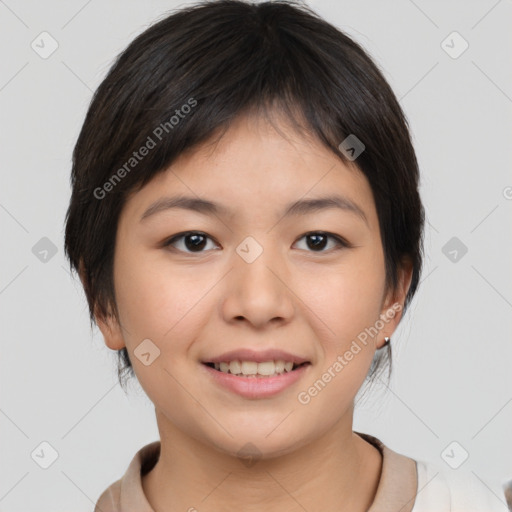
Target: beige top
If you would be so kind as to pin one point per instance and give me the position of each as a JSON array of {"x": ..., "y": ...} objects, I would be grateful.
[
  {"x": 396, "y": 490},
  {"x": 405, "y": 485}
]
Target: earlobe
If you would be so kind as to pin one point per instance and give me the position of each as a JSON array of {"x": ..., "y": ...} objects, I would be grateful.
[
  {"x": 111, "y": 331},
  {"x": 108, "y": 325},
  {"x": 394, "y": 303}
]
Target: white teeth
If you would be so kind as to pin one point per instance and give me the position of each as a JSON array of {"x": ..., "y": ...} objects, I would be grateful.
[
  {"x": 252, "y": 368},
  {"x": 279, "y": 366},
  {"x": 235, "y": 367},
  {"x": 249, "y": 367},
  {"x": 267, "y": 368}
]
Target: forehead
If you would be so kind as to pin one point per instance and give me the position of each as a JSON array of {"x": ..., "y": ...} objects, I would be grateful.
[{"x": 256, "y": 164}]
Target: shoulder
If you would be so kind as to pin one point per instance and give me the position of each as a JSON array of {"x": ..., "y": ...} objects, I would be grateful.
[
  {"x": 441, "y": 488},
  {"x": 127, "y": 493},
  {"x": 110, "y": 499}
]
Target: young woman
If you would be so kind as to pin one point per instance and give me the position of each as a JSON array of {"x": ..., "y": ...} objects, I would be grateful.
[{"x": 246, "y": 222}]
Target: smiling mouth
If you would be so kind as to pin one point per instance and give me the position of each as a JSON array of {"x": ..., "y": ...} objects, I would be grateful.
[{"x": 251, "y": 369}]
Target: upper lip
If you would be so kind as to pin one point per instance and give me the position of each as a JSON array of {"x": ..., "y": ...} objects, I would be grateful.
[{"x": 258, "y": 356}]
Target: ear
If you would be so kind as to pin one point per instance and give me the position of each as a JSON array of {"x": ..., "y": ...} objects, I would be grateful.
[
  {"x": 108, "y": 324},
  {"x": 111, "y": 331},
  {"x": 393, "y": 304}
]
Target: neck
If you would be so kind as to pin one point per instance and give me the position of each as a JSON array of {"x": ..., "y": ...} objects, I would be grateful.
[{"x": 339, "y": 471}]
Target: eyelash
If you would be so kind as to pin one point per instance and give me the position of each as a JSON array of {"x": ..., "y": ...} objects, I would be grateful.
[{"x": 342, "y": 243}]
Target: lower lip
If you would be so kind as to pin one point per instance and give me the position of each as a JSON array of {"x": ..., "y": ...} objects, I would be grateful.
[{"x": 256, "y": 387}]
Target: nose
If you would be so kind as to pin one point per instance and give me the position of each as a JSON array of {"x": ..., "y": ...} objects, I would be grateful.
[{"x": 258, "y": 292}]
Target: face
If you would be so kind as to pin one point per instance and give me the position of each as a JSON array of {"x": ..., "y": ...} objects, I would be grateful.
[{"x": 194, "y": 282}]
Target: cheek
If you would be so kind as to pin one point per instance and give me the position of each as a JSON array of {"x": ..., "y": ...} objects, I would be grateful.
[
  {"x": 158, "y": 301},
  {"x": 149, "y": 302},
  {"x": 141, "y": 298},
  {"x": 348, "y": 304},
  {"x": 349, "y": 300}
]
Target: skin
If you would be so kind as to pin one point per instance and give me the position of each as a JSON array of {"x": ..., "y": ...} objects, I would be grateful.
[{"x": 308, "y": 301}]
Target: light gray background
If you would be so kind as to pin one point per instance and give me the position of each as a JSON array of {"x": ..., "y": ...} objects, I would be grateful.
[{"x": 453, "y": 351}]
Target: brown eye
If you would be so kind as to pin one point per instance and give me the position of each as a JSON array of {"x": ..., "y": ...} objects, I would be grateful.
[
  {"x": 317, "y": 241},
  {"x": 190, "y": 241}
]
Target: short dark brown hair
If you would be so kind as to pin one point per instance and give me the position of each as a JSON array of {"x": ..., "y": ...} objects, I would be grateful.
[{"x": 188, "y": 76}]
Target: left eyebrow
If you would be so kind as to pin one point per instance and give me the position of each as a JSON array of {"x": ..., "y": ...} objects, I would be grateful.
[{"x": 300, "y": 207}]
